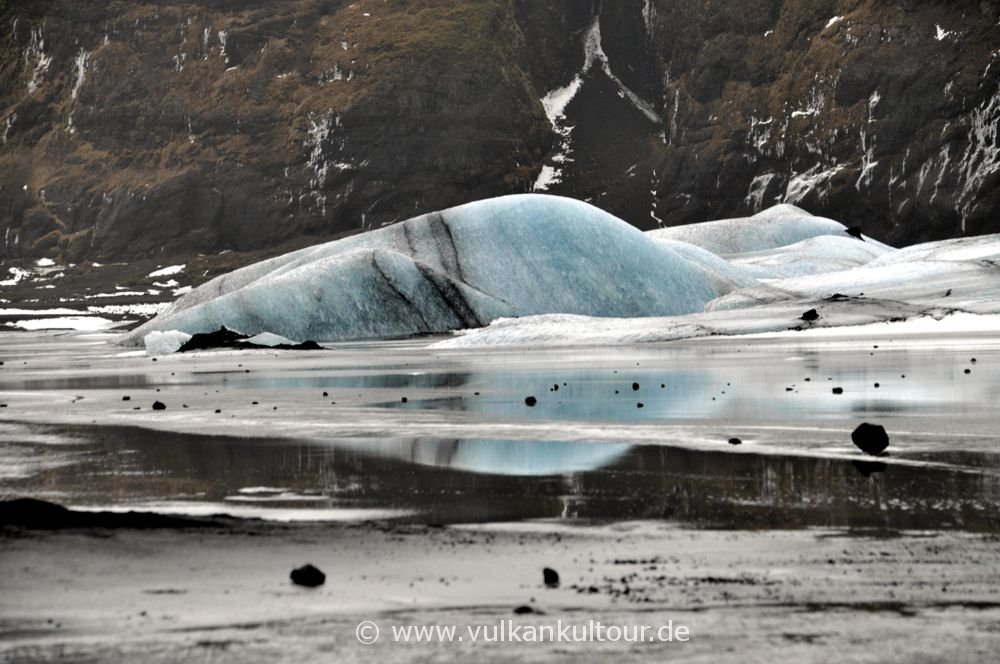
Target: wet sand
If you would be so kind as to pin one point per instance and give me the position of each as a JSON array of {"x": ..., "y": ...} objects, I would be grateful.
[
  {"x": 444, "y": 508},
  {"x": 224, "y": 596}
]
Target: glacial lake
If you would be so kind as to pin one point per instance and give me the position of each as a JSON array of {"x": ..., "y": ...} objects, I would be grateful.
[{"x": 395, "y": 430}]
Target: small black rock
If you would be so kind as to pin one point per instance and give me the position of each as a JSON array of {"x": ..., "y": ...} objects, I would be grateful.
[
  {"x": 126, "y": 398},
  {"x": 838, "y": 390},
  {"x": 640, "y": 405},
  {"x": 159, "y": 405},
  {"x": 530, "y": 401},
  {"x": 403, "y": 400},
  {"x": 308, "y": 576},
  {"x": 325, "y": 394},
  {"x": 871, "y": 438},
  {"x": 635, "y": 387},
  {"x": 523, "y": 609},
  {"x": 855, "y": 231},
  {"x": 551, "y": 577},
  {"x": 735, "y": 441},
  {"x": 810, "y": 316}
]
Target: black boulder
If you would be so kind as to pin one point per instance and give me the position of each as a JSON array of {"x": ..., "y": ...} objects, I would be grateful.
[
  {"x": 871, "y": 438},
  {"x": 308, "y": 576}
]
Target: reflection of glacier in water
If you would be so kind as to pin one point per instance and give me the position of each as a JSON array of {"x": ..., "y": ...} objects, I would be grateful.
[
  {"x": 794, "y": 385},
  {"x": 440, "y": 481},
  {"x": 497, "y": 457}
]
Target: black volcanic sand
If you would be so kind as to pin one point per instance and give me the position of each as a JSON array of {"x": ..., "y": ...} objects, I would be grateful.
[{"x": 225, "y": 595}]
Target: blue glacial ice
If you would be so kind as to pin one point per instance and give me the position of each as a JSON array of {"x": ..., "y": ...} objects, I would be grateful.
[
  {"x": 778, "y": 226},
  {"x": 460, "y": 268},
  {"x": 540, "y": 269}
]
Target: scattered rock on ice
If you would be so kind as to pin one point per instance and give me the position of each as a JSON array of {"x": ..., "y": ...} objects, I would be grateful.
[
  {"x": 530, "y": 401},
  {"x": 871, "y": 438},
  {"x": 810, "y": 316},
  {"x": 308, "y": 576},
  {"x": 735, "y": 441},
  {"x": 159, "y": 405}
]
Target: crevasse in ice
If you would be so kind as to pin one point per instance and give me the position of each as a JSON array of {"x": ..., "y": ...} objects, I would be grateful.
[{"x": 460, "y": 268}]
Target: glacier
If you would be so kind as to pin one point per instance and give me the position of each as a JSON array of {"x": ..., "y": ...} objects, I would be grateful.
[
  {"x": 775, "y": 227},
  {"x": 547, "y": 270},
  {"x": 944, "y": 287},
  {"x": 463, "y": 267}
]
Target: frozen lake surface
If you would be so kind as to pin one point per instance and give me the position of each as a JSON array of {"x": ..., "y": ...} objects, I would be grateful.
[{"x": 401, "y": 431}]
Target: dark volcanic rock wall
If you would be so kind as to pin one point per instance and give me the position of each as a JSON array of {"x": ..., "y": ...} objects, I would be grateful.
[
  {"x": 137, "y": 129},
  {"x": 882, "y": 114},
  {"x": 134, "y": 128}
]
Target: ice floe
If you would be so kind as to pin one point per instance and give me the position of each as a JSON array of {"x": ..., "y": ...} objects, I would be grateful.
[
  {"x": 464, "y": 267},
  {"x": 778, "y": 226},
  {"x": 544, "y": 270}
]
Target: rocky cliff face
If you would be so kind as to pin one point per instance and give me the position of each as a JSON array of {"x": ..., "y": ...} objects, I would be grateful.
[{"x": 135, "y": 129}]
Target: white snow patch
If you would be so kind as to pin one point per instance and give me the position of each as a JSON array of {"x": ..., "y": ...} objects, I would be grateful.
[
  {"x": 17, "y": 275},
  {"x": 79, "y": 323},
  {"x": 800, "y": 184},
  {"x": 35, "y": 59},
  {"x": 81, "y": 70},
  {"x": 39, "y": 312},
  {"x": 833, "y": 21},
  {"x": 982, "y": 156},
  {"x": 144, "y": 309},
  {"x": 755, "y": 192},
  {"x": 941, "y": 34},
  {"x": 167, "y": 271}
]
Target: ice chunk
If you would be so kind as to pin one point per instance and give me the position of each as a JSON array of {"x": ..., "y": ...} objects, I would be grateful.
[
  {"x": 775, "y": 227},
  {"x": 952, "y": 280},
  {"x": 164, "y": 343},
  {"x": 953, "y": 274},
  {"x": 816, "y": 255},
  {"x": 464, "y": 267}
]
